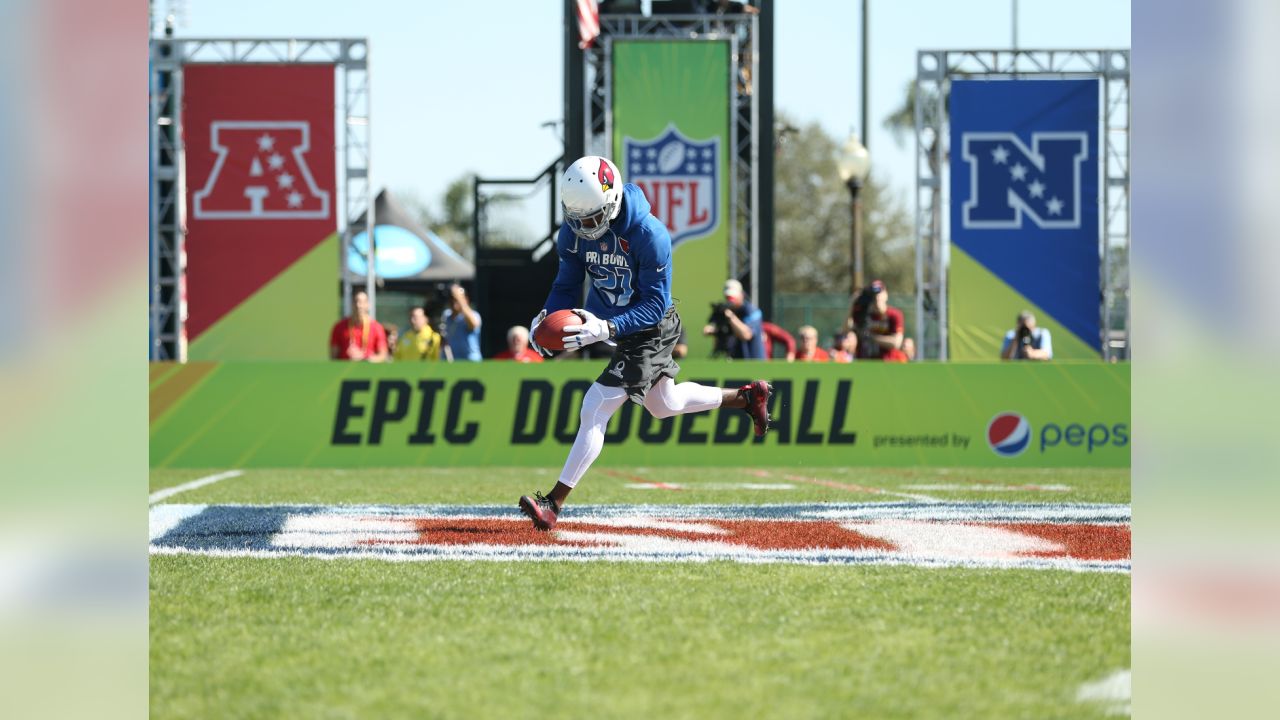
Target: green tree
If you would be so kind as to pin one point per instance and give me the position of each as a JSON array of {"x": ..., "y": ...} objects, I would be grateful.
[
  {"x": 453, "y": 223},
  {"x": 814, "y": 223}
]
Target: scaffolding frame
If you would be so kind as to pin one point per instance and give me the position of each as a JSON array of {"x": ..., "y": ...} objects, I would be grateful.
[
  {"x": 935, "y": 69},
  {"x": 168, "y": 177},
  {"x": 744, "y": 120}
]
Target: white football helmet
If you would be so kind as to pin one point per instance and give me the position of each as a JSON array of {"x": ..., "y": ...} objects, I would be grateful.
[{"x": 591, "y": 195}]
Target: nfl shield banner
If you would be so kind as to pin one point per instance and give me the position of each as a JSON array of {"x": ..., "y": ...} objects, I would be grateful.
[
  {"x": 1025, "y": 199},
  {"x": 680, "y": 178},
  {"x": 671, "y": 137}
]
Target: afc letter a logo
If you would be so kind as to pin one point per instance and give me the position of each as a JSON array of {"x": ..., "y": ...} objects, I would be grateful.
[
  {"x": 261, "y": 173},
  {"x": 1008, "y": 180}
]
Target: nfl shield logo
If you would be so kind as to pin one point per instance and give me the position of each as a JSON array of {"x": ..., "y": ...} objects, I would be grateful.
[{"x": 680, "y": 178}]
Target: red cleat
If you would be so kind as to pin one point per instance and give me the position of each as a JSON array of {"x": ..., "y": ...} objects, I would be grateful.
[
  {"x": 541, "y": 510},
  {"x": 757, "y": 394}
]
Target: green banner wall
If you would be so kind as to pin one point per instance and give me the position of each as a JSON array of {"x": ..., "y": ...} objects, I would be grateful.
[
  {"x": 214, "y": 415},
  {"x": 671, "y": 137}
]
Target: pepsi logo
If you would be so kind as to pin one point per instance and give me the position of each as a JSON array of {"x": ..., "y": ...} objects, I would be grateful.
[{"x": 1008, "y": 434}]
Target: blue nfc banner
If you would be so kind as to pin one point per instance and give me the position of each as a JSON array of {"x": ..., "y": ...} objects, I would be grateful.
[{"x": 1025, "y": 202}]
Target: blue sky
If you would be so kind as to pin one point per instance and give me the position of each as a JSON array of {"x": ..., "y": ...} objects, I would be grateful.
[{"x": 452, "y": 95}]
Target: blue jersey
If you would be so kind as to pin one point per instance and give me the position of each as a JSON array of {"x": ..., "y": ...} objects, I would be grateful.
[{"x": 629, "y": 267}]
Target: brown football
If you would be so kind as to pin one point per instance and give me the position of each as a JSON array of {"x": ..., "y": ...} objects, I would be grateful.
[{"x": 550, "y": 333}]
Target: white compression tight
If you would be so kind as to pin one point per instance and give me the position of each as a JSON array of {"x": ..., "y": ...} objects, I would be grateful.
[{"x": 665, "y": 399}]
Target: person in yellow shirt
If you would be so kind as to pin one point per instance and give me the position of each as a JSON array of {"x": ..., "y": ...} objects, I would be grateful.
[{"x": 420, "y": 342}]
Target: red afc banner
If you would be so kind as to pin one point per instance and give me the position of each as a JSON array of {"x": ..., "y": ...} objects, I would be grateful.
[{"x": 260, "y": 176}]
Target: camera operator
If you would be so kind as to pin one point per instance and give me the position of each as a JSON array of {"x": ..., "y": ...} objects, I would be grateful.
[
  {"x": 461, "y": 327},
  {"x": 879, "y": 326},
  {"x": 1026, "y": 341},
  {"x": 736, "y": 324}
]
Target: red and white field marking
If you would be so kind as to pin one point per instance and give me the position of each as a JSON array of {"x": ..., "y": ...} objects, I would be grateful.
[{"x": 998, "y": 535}]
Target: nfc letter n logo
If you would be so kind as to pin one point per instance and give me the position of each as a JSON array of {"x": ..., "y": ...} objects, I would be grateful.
[
  {"x": 261, "y": 173},
  {"x": 1008, "y": 180}
]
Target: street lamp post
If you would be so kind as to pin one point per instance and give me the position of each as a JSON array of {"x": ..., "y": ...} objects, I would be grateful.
[{"x": 853, "y": 165}]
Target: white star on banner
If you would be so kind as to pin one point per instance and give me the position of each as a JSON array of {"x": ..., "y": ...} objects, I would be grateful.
[
  {"x": 1018, "y": 171},
  {"x": 266, "y": 142},
  {"x": 295, "y": 199},
  {"x": 1000, "y": 155},
  {"x": 691, "y": 168},
  {"x": 276, "y": 161},
  {"x": 652, "y": 153},
  {"x": 706, "y": 153},
  {"x": 1055, "y": 206},
  {"x": 1036, "y": 188},
  {"x": 706, "y": 167},
  {"x": 285, "y": 180}
]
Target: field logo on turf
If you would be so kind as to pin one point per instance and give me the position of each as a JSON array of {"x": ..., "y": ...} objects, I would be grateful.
[
  {"x": 680, "y": 178},
  {"x": 1008, "y": 434},
  {"x": 1046, "y": 536}
]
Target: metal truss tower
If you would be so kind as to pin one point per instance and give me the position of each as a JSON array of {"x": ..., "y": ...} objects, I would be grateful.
[
  {"x": 750, "y": 39},
  {"x": 935, "y": 69},
  {"x": 168, "y": 181}
]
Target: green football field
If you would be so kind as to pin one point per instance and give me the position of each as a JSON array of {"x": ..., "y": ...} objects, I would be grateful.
[{"x": 338, "y": 636}]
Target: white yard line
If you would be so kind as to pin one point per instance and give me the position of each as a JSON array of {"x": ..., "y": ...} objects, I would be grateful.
[
  {"x": 1113, "y": 693},
  {"x": 991, "y": 488},
  {"x": 159, "y": 495},
  {"x": 859, "y": 488},
  {"x": 845, "y": 486}
]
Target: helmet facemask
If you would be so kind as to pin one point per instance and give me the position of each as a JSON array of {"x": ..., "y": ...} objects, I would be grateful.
[{"x": 591, "y": 225}]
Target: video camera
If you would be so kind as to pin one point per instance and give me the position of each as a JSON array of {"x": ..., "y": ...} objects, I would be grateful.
[
  {"x": 723, "y": 330},
  {"x": 1022, "y": 337},
  {"x": 437, "y": 298}
]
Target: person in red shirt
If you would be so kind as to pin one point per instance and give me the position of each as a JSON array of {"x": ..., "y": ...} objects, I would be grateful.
[
  {"x": 878, "y": 325},
  {"x": 518, "y": 346},
  {"x": 809, "y": 350},
  {"x": 845, "y": 348},
  {"x": 358, "y": 337},
  {"x": 774, "y": 333}
]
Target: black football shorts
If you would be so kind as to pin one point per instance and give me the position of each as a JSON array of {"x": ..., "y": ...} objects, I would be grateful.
[{"x": 643, "y": 357}]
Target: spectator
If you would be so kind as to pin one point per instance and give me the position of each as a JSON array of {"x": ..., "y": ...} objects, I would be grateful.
[
  {"x": 878, "y": 326},
  {"x": 358, "y": 337},
  {"x": 775, "y": 333},
  {"x": 1026, "y": 341},
  {"x": 420, "y": 342},
  {"x": 737, "y": 324},
  {"x": 461, "y": 326},
  {"x": 845, "y": 348},
  {"x": 518, "y": 346},
  {"x": 809, "y": 350},
  {"x": 681, "y": 350},
  {"x": 393, "y": 337}
]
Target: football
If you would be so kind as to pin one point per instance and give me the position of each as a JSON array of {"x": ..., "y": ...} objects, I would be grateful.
[{"x": 550, "y": 333}]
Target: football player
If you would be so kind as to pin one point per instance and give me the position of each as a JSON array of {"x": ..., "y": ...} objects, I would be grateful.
[{"x": 610, "y": 236}]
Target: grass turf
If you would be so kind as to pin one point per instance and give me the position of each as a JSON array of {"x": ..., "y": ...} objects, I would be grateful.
[
  {"x": 334, "y": 639},
  {"x": 603, "y": 485},
  {"x": 305, "y": 637}
]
